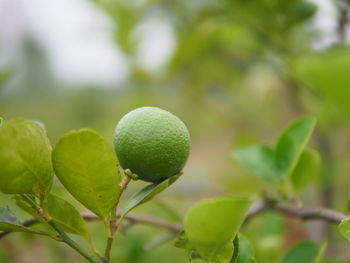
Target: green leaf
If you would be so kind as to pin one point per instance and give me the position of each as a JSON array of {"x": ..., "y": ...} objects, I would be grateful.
[
  {"x": 305, "y": 251},
  {"x": 87, "y": 166},
  {"x": 1, "y": 121},
  {"x": 147, "y": 193},
  {"x": 236, "y": 247},
  {"x": 306, "y": 169},
  {"x": 212, "y": 223},
  {"x": 225, "y": 254},
  {"x": 274, "y": 165},
  {"x": 183, "y": 242},
  {"x": 25, "y": 159},
  {"x": 66, "y": 216},
  {"x": 291, "y": 144},
  {"x": 246, "y": 251},
  {"x": 9, "y": 222},
  {"x": 259, "y": 160},
  {"x": 344, "y": 228}
]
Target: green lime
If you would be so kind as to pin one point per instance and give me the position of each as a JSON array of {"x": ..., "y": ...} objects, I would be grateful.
[{"x": 152, "y": 143}]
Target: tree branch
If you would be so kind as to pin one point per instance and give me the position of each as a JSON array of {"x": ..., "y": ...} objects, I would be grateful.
[
  {"x": 140, "y": 219},
  {"x": 328, "y": 215}
]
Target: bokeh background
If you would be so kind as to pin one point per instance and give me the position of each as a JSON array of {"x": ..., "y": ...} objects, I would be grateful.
[{"x": 235, "y": 71}]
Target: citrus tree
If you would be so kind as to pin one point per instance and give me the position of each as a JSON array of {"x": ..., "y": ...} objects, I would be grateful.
[{"x": 153, "y": 145}]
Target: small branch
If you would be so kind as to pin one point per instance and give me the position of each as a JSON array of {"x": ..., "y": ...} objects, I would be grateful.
[
  {"x": 148, "y": 220},
  {"x": 257, "y": 208},
  {"x": 26, "y": 223},
  {"x": 155, "y": 222},
  {"x": 113, "y": 224},
  {"x": 325, "y": 214},
  {"x": 66, "y": 239},
  {"x": 142, "y": 219},
  {"x": 124, "y": 183}
]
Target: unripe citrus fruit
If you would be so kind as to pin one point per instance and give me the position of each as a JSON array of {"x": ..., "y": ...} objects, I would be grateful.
[{"x": 152, "y": 143}]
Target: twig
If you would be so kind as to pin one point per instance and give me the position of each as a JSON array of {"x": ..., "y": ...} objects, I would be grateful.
[
  {"x": 148, "y": 220},
  {"x": 255, "y": 209},
  {"x": 66, "y": 239},
  {"x": 325, "y": 214},
  {"x": 113, "y": 224},
  {"x": 328, "y": 215},
  {"x": 26, "y": 223},
  {"x": 142, "y": 219}
]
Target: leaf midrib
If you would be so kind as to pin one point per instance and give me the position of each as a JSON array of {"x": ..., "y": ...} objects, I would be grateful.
[{"x": 87, "y": 179}]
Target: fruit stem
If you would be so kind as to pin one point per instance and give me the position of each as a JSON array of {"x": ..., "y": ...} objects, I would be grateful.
[{"x": 113, "y": 224}]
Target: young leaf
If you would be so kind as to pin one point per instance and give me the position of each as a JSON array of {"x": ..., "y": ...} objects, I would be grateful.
[
  {"x": 183, "y": 242},
  {"x": 236, "y": 250},
  {"x": 9, "y": 222},
  {"x": 306, "y": 169},
  {"x": 344, "y": 228},
  {"x": 259, "y": 160},
  {"x": 147, "y": 193},
  {"x": 25, "y": 159},
  {"x": 87, "y": 166},
  {"x": 246, "y": 251},
  {"x": 291, "y": 144},
  {"x": 274, "y": 165},
  {"x": 22, "y": 203},
  {"x": 66, "y": 216},
  {"x": 225, "y": 254},
  {"x": 212, "y": 223},
  {"x": 305, "y": 251}
]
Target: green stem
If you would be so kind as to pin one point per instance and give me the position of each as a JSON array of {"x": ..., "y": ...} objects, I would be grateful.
[
  {"x": 62, "y": 235},
  {"x": 66, "y": 239},
  {"x": 30, "y": 201},
  {"x": 113, "y": 224},
  {"x": 109, "y": 247}
]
